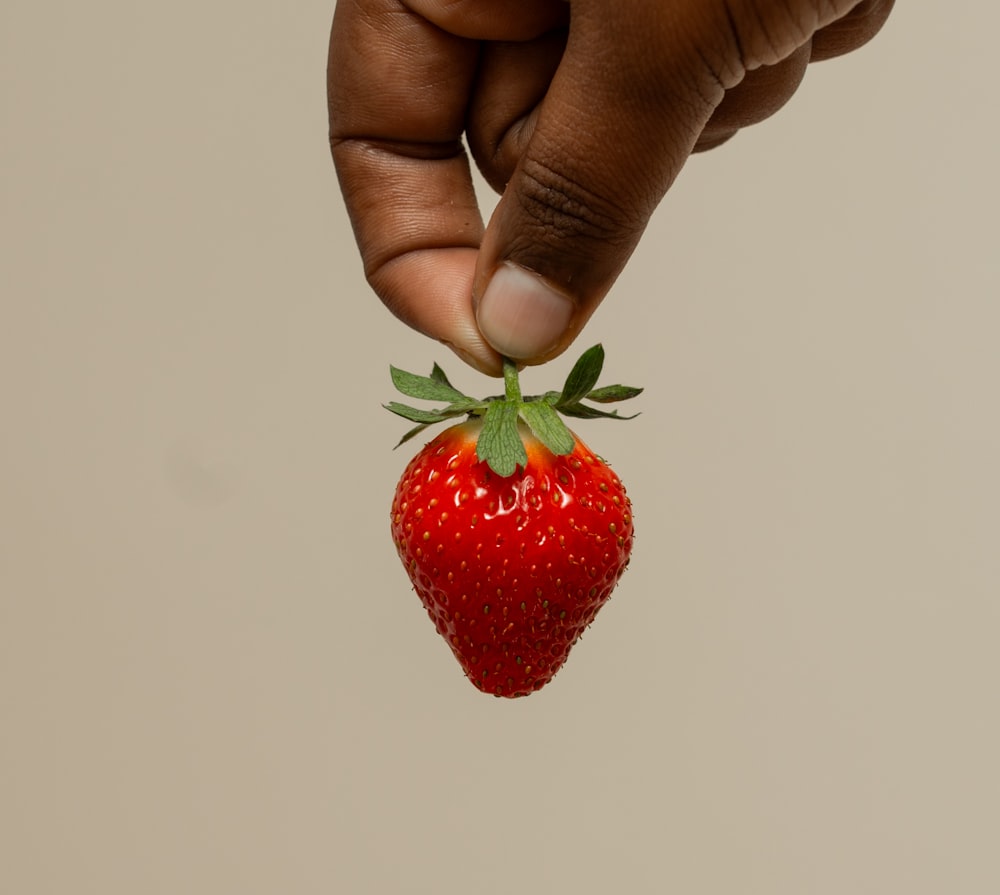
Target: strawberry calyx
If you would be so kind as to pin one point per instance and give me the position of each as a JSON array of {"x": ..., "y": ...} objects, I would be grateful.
[{"x": 500, "y": 444}]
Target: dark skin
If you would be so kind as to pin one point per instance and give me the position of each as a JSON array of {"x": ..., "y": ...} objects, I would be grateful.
[{"x": 580, "y": 113}]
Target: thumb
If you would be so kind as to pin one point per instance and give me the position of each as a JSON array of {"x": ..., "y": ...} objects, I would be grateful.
[{"x": 621, "y": 116}]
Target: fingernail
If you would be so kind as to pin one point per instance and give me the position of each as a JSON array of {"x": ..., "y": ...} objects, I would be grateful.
[{"x": 520, "y": 315}]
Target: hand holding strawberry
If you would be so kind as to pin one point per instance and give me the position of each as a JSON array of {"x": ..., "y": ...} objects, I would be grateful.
[{"x": 513, "y": 532}]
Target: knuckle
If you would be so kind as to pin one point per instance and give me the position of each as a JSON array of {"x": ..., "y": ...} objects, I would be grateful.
[
  {"x": 559, "y": 209},
  {"x": 852, "y": 31},
  {"x": 765, "y": 33}
]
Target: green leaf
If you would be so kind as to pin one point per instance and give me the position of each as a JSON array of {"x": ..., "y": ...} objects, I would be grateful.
[
  {"x": 416, "y": 430},
  {"x": 583, "y": 412},
  {"x": 610, "y": 393},
  {"x": 499, "y": 443},
  {"x": 416, "y": 415},
  {"x": 584, "y": 375},
  {"x": 426, "y": 388},
  {"x": 547, "y": 427},
  {"x": 437, "y": 374}
]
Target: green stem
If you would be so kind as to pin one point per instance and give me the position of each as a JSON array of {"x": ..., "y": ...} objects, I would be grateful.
[{"x": 511, "y": 384}]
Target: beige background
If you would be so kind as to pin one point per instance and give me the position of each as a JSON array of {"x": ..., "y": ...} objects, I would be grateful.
[{"x": 213, "y": 676}]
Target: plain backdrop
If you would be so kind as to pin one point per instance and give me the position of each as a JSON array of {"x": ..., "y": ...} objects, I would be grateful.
[{"x": 214, "y": 677}]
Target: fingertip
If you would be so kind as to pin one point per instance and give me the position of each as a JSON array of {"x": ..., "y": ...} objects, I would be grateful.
[
  {"x": 477, "y": 355},
  {"x": 430, "y": 290}
]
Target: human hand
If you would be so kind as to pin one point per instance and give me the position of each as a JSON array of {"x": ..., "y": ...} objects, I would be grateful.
[{"x": 579, "y": 112}]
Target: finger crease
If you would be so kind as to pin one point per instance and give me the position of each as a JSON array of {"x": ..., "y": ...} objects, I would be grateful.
[{"x": 421, "y": 150}]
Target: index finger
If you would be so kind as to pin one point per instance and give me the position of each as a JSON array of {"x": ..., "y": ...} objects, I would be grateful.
[{"x": 398, "y": 88}]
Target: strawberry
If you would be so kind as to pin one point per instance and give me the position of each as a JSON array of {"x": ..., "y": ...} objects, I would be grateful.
[{"x": 512, "y": 531}]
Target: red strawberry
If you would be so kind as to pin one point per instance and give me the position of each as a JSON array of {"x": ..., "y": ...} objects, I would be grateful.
[{"x": 513, "y": 532}]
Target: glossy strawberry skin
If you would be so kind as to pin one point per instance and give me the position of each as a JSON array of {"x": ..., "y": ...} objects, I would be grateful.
[{"x": 510, "y": 569}]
